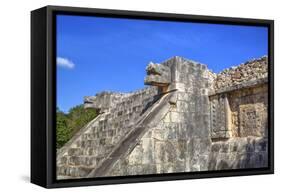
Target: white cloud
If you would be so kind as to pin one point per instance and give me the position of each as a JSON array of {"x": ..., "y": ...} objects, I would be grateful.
[{"x": 65, "y": 63}]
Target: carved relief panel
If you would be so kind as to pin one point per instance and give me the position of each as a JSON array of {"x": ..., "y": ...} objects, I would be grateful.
[
  {"x": 252, "y": 120},
  {"x": 220, "y": 116}
]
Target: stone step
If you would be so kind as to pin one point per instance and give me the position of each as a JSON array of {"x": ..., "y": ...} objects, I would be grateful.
[
  {"x": 99, "y": 139},
  {"x": 128, "y": 142},
  {"x": 73, "y": 171},
  {"x": 83, "y": 161}
]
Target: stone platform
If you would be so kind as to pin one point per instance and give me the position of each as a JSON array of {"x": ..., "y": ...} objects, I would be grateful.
[{"x": 187, "y": 119}]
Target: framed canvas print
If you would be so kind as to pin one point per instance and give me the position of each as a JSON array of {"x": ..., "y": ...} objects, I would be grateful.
[{"x": 125, "y": 96}]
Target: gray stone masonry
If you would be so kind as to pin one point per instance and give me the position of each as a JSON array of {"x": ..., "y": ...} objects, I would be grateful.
[{"x": 187, "y": 119}]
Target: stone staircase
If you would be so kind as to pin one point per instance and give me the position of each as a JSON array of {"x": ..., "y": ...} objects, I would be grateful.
[
  {"x": 151, "y": 118},
  {"x": 90, "y": 146}
]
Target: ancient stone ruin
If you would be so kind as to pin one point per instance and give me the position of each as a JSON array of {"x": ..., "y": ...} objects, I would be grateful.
[{"x": 188, "y": 119}]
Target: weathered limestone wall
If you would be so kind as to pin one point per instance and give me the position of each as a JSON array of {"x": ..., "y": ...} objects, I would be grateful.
[
  {"x": 249, "y": 109},
  {"x": 239, "y": 117},
  {"x": 239, "y": 153},
  {"x": 189, "y": 119},
  {"x": 239, "y": 103},
  {"x": 181, "y": 140}
]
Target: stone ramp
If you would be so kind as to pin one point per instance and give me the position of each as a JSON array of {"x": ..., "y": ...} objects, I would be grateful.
[{"x": 128, "y": 143}]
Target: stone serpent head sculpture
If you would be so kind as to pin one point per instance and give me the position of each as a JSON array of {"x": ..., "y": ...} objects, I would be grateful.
[{"x": 158, "y": 75}]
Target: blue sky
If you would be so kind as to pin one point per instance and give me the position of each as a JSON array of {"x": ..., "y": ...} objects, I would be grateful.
[{"x": 96, "y": 54}]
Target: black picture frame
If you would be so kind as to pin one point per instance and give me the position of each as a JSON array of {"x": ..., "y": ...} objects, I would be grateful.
[{"x": 43, "y": 96}]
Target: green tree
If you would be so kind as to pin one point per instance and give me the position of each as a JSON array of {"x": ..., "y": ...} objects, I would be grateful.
[
  {"x": 63, "y": 132},
  {"x": 78, "y": 117}
]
